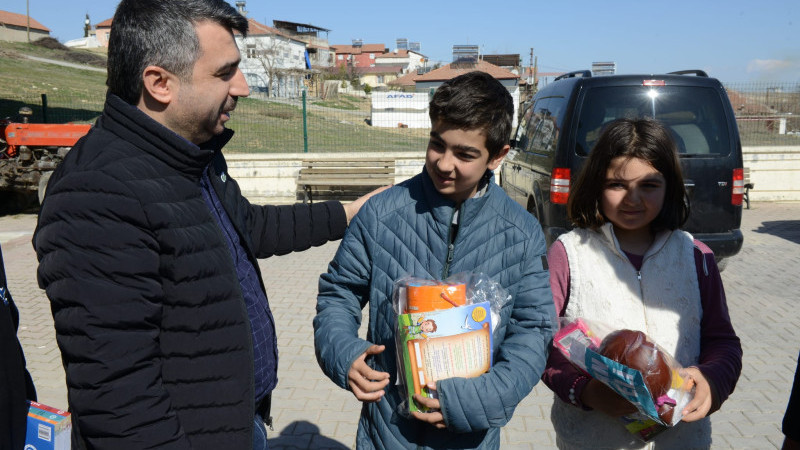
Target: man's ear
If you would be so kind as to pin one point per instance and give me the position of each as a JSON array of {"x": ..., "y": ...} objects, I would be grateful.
[
  {"x": 494, "y": 163},
  {"x": 159, "y": 84}
]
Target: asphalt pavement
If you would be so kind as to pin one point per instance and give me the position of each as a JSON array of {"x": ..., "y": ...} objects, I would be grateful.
[{"x": 310, "y": 412}]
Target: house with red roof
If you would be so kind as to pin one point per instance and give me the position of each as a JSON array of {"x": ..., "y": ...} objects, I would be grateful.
[
  {"x": 433, "y": 79},
  {"x": 17, "y": 28},
  {"x": 408, "y": 59},
  {"x": 101, "y": 32},
  {"x": 359, "y": 55}
]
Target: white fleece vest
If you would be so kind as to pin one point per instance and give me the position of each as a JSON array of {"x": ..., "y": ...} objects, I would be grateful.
[{"x": 662, "y": 300}]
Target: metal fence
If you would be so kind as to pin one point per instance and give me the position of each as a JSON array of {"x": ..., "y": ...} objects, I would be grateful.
[{"x": 767, "y": 114}]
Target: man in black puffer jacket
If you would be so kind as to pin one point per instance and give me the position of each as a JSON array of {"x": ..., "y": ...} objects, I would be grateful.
[{"x": 148, "y": 251}]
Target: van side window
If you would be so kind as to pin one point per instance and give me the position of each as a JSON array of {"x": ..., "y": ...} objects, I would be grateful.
[
  {"x": 545, "y": 128},
  {"x": 521, "y": 137}
]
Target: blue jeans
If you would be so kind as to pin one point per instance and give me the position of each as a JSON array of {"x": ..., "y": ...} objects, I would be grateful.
[{"x": 259, "y": 434}]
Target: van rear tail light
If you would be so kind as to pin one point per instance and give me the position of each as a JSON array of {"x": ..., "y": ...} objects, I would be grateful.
[
  {"x": 559, "y": 186},
  {"x": 737, "y": 193},
  {"x": 654, "y": 83}
]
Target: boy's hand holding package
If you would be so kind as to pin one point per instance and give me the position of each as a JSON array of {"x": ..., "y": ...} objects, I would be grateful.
[
  {"x": 434, "y": 417},
  {"x": 366, "y": 383}
]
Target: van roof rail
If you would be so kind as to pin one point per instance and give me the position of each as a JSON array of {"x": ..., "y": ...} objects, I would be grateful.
[
  {"x": 581, "y": 73},
  {"x": 699, "y": 73}
]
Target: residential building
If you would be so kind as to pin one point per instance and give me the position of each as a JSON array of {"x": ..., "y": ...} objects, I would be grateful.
[
  {"x": 101, "y": 32},
  {"x": 409, "y": 59},
  {"x": 18, "y": 28},
  {"x": 358, "y": 55},
  {"x": 433, "y": 79},
  {"x": 316, "y": 39},
  {"x": 510, "y": 62},
  {"x": 272, "y": 62},
  {"x": 378, "y": 76}
]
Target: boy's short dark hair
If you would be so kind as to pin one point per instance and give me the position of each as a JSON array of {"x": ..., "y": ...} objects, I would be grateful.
[
  {"x": 645, "y": 139},
  {"x": 476, "y": 100}
]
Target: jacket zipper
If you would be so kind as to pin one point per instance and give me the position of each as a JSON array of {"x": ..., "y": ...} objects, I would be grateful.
[{"x": 451, "y": 239}]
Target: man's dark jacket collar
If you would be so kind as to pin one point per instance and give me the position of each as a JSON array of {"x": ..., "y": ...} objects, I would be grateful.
[{"x": 133, "y": 125}]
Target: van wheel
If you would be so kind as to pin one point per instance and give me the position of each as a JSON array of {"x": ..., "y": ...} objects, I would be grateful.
[{"x": 533, "y": 210}]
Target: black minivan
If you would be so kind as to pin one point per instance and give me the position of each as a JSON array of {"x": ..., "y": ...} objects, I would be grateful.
[{"x": 561, "y": 123}]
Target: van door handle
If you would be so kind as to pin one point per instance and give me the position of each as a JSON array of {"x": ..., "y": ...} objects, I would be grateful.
[{"x": 688, "y": 186}]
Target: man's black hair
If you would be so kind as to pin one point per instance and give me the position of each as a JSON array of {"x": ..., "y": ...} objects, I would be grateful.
[{"x": 160, "y": 33}]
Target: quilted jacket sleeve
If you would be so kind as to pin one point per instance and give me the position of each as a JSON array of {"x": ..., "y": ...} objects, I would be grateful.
[
  {"x": 488, "y": 401},
  {"x": 343, "y": 292},
  {"x": 99, "y": 266},
  {"x": 282, "y": 229},
  {"x": 278, "y": 230}
]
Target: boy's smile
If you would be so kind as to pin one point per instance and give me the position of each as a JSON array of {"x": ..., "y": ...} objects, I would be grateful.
[{"x": 457, "y": 159}]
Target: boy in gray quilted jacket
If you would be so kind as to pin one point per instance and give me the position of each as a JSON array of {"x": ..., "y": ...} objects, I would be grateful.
[{"x": 450, "y": 218}]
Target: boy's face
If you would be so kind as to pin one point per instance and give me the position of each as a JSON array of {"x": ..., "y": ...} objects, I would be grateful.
[
  {"x": 457, "y": 159},
  {"x": 426, "y": 326}
]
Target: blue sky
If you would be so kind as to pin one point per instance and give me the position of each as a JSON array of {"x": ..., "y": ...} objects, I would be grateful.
[{"x": 734, "y": 40}]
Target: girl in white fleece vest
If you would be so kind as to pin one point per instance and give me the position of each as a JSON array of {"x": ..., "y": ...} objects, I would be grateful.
[{"x": 628, "y": 264}]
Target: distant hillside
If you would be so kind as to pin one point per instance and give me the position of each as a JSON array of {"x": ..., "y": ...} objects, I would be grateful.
[{"x": 73, "y": 94}]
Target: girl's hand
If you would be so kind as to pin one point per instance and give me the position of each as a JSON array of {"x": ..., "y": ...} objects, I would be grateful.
[
  {"x": 701, "y": 403},
  {"x": 597, "y": 395},
  {"x": 435, "y": 417}
]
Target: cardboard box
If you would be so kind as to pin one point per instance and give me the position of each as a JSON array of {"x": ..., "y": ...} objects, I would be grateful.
[{"x": 48, "y": 428}]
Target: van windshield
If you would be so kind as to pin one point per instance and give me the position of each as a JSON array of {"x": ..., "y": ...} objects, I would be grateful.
[{"x": 695, "y": 115}]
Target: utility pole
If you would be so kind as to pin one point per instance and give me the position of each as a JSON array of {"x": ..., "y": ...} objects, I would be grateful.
[
  {"x": 530, "y": 67},
  {"x": 28, "y": 14}
]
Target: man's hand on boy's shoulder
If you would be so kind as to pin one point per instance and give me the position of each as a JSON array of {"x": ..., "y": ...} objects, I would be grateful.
[
  {"x": 351, "y": 209},
  {"x": 434, "y": 418},
  {"x": 366, "y": 383}
]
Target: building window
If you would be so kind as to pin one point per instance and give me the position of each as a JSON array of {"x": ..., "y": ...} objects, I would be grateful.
[
  {"x": 340, "y": 57},
  {"x": 251, "y": 51},
  {"x": 372, "y": 56}
]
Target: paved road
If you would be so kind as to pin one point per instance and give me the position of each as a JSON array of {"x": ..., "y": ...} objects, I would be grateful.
[
  {"x": 58, "y": 62},
  {"x": 311, "y": 413}
]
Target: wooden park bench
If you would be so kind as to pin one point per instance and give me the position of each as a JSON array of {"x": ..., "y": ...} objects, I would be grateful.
[
  {"x": 747, "y": 185},
  {"x": 343, "y": 178}
]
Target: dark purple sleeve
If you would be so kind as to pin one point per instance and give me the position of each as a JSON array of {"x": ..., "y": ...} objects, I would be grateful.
[
  {"x": 559, "y": 374},
  {"x": 720, "y": 349}
]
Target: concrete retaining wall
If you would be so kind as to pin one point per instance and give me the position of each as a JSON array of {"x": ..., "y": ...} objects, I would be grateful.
[
  {"x": 775, "y": 171},
  {"x": 271, "y": 178}
]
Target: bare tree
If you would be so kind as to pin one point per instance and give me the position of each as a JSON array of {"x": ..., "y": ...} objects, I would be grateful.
[{"x": 272, "y": 54}]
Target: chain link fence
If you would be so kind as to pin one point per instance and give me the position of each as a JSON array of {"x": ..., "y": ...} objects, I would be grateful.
[{"x": 767, "y": 114}]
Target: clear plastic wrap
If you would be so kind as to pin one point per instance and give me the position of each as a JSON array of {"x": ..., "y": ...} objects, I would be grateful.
[
  {"x": 634, "y": 366},
  {"x": 444, "y": 330}
]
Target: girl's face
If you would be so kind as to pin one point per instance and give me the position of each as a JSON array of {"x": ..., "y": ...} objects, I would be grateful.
[{"x": 633, "y": 194}]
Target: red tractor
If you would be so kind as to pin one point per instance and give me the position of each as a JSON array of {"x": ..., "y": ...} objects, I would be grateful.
[{"x": 29, "y": 152}]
